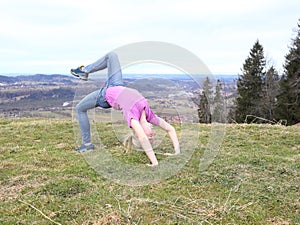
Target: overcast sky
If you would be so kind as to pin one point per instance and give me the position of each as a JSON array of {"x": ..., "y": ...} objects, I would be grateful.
[{"x": 52, "y": 36}]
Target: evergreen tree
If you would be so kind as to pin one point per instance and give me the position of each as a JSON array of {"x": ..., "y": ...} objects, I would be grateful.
[
  {"x": 204, "y": 109},
  {"x": 288, "y": 105},
  {"x": 207, "y": 89},
  {"x": 270, "y": 92},
  {"x": 203, "y": 102},
  {"x": 219, "y": 114},
  {"x": 250, "y": 85},
  {"x": 206, "y": 101}
]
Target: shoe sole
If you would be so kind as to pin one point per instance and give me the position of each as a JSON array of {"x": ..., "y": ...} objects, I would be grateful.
[
  {"x": 76, "y": 75},
  {"x": 90, "y": 149}
]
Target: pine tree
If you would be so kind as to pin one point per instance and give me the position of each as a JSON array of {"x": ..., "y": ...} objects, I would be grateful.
[
  {"x": 204, "y": 109},
  {"x": 270, "y": 92},
  {"x": 250, "y": 85},
  {"x": 206, "y": 101},
  {"x": 219, "y": 113},
  {"x": 207, "y": 89},
  {"x": 203, "y": 102},
  {"x": 288, "y": 105}
]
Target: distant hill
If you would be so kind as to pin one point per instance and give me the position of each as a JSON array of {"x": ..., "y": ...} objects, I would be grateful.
[
  {"x": 59, "y": 77},
  {"x": 40, "y": 92},
  {"x": 38, "y": 78},
  {"x": 6, "y": 79},
  {"x": 151, "y": 84},
  {"x": 35, "y": 92}
]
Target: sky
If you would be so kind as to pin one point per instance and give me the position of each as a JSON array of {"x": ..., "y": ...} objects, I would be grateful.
[{"x": 53, "y": 36}]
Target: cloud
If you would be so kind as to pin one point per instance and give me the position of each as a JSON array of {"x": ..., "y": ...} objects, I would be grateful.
[{"x": 221, "y": 33}]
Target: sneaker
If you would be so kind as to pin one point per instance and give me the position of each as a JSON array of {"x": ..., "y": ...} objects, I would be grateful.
[
  {"x": 84, "y": 148},
  {"x": 80, "y": 73}
]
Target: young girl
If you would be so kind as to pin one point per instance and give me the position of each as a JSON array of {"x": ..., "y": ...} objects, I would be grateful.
[{"x": 134, "y": 106}]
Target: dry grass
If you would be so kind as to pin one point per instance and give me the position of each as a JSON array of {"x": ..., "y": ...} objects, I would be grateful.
[{"x": 254, "y": 179}]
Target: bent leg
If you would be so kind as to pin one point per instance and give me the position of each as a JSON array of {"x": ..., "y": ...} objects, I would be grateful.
[
  {"x": 111, "y": 62},
  {"x": 88, "y": 102}
]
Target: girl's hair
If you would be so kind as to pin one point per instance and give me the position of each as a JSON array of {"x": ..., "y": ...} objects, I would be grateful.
[
  {"x": 131, "y": 141},
  {"x": 135, "y": 141}
]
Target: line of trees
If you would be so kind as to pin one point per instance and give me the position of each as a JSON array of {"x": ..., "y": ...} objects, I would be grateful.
[
  {"x": 257, "y": 87},
  {"x": 211, "y": 103},
  {"x": 262, "y": 95}
]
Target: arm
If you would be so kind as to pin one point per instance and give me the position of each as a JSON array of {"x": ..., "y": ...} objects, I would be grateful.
[
  {"x": 138, "y": 129},
  {"x": 172, "y": 134},
  {"x": 147, "y": 127}
]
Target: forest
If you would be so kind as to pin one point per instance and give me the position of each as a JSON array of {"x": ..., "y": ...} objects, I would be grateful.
[{"x": 263, "y": 95}]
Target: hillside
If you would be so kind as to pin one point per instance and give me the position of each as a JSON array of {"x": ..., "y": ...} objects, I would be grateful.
[
  {"x": 255, "y": 179},
  {"x": 45, "y": 95},
  {"x": 38, "y": 78},
  {"x": 53, "y": 96}
]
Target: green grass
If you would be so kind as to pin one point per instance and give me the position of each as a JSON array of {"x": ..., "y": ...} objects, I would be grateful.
[{"x": 255, "y": 179}]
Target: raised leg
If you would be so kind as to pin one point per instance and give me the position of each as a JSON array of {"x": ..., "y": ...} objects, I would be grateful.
[{"x": 114, "y": 72}]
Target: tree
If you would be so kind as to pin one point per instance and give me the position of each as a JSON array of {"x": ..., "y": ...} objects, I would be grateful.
[
  {"x": 219, "y": 114},
  {"x": 250, "y": 85},
  {"x": 288, "y": 104},
  {"x": 204, "y": 109},
  {"x": 203, "y": 102},
  {"x": 270, "y": 92}
]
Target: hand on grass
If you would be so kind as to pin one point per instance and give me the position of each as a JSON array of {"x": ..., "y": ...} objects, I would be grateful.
[
  {"x": 177, "y": 152},
  {"x": 172, "y": 154},
  {"x": 152, "y": 165}
]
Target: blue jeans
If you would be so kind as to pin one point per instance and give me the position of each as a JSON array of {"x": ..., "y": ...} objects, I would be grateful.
[{"x": 97, "y": 98}]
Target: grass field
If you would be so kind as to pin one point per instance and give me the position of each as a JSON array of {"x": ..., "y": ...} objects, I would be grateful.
[{"x": 255, "y": 179}]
